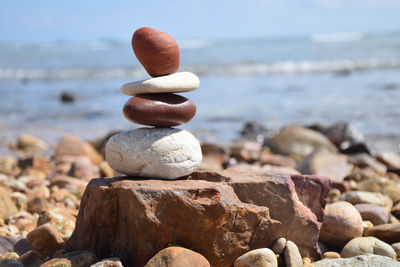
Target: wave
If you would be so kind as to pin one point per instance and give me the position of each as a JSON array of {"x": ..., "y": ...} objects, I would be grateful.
[
  {"x": 284, "y": 67},
  {"x": 337, "y": 37}
]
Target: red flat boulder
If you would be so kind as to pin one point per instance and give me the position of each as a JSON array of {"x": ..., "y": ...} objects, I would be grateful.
[{"x": 223, "y": 219}]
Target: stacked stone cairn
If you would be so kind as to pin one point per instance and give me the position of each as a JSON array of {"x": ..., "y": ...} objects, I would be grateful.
[{"x": 159, "y": 151}]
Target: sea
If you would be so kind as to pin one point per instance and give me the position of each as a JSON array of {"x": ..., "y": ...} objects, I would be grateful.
[{"x": 319, "y": 78}]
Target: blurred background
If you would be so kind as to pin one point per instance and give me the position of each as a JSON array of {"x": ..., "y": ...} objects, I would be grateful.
[{"x": 62, "y": 64}]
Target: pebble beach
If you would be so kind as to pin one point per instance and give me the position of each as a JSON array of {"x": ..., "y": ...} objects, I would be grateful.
[{"x": 300, "y": 178}]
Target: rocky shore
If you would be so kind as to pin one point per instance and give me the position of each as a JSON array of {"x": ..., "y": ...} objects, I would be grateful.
[{"x": 305, "y": 196}]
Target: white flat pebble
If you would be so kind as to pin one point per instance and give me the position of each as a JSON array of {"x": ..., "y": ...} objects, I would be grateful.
[
  {"x": 154, "y": 153},
  {"x": 173, "y": 83}
]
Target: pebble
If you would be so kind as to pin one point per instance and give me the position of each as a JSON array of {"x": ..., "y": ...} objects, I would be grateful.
[
  {"x": 279, "y": 246},
  {"x": 331, "y": 255},
  {"x": 381, "y": 185},
  {"x": 31, "y": 258},
  {"x": 74, "y": 258},
  {"x": 178, "y": 257},
  {"x": 327, "y": 164},
  {"x": 374, "y": 213},
  {"x": 157, "y": 51},
  {"x": 109, "y": 262},
  {"x": 173, "y": 83},
  {"x": 292, "y": 255},
  {"x": 342, "y": 222},
  {"x": 263, "y": 257},
  {"x": 396, "y": 247},
  {"x": 154, "y": 152},
  {"x": 389, "y": 233},
  {"x": 7, "y": 207},
  {"x": 73, "y": 146},
  {"x": 359, "y": 197},
  {"x": 45, "y": 239},
  {"x": 161, "y": 110},
  {"x": 298, "y": 141},
  {"x": 29, "y": 142},
  {"x": 367, "y": 245},
  {"x": 365, "y": 160},
  {"x": 62, "y": 218}
]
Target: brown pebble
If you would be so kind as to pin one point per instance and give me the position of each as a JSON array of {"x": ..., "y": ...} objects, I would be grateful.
[
  {"x": 157, "y": 51},
  {"x": 330, "y": 255},
  {"x": 45, "y": 239},
  {"x": 161, "y": 110}
]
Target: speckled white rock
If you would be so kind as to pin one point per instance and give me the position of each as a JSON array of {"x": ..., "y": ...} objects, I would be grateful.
[
  {"x": 154, "y": 153},
  {"x": 173, "y": 83},
  {"x": 262, "y": 257}
]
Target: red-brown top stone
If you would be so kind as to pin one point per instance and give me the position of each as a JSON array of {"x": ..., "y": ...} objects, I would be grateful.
[{"x": 157, "y": 51}]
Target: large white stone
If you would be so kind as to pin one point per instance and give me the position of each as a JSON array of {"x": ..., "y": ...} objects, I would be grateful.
[
  {"x": 154, "y": 152},
  {"x": 173, "y": 83}
]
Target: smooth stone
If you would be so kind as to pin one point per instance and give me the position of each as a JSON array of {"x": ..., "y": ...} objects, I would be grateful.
[
  {"x": 342, "y": 222},
  {"x": 292, "y": 255},
  {"x": 298, "y": 141},
  {"x": 364, "y": 160},
  {"x": 279, "y": 245},
  {"x": 45, "y": 239},
  {"x": 325, "y": 163},
  {"x": 382, "y": 185},
  {"x": 370, "y": 260},
  {"x": 157, "y": 51},
  {"x": 177, "y": 257},
  {"x": 331, "y": 255},
  {"x": 73, "y": 259},
  {"x": 374, "y": 213},
  {"x": 154, "y": 152},
  {"x": 396, "y": 247},
  {"x": 263, "y": 257},
  {"x": 367, "y": 245},
  {"x": 173, "y": 83},
  {"x": 359, "y": 197},
  {"x": 160, "y": 110},
  {"x": 389, "y": 233}
]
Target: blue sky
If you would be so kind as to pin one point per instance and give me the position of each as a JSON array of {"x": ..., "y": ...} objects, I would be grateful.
[{"x": 84, "y": 20}]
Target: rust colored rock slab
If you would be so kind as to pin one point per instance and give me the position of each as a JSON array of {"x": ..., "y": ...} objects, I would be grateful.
[
  {"x": 223, "y": 219},
  {"x": 157, "y": 51},
  {"x": 161, "y": 110}
]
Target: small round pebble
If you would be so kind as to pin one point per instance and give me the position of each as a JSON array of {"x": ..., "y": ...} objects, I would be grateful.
[
  {"x": 374, "y": 213},
  {"x": 263, "y": 257},
  {"x": 342, "y": 222},
  {"x": 331, "y": 255},
  {"x": 279, "y": 245},
  {"x": 161, "y": 110},
  {"x": 157, "y": 51}
]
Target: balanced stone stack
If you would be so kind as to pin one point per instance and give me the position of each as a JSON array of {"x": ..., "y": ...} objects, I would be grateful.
[{"x": 159, "y": 151}]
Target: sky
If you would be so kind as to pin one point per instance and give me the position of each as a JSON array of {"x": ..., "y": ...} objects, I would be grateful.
[{"x": 77, "y": 20}]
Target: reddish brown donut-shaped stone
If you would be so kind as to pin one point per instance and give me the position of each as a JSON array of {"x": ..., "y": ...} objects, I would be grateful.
[
  {"x": 157, "y": 51},
  {"x": 161, "y": 110}
]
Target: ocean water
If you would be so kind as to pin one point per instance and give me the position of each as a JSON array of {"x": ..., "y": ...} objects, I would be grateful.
[{"x": 322, "y": 78}]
